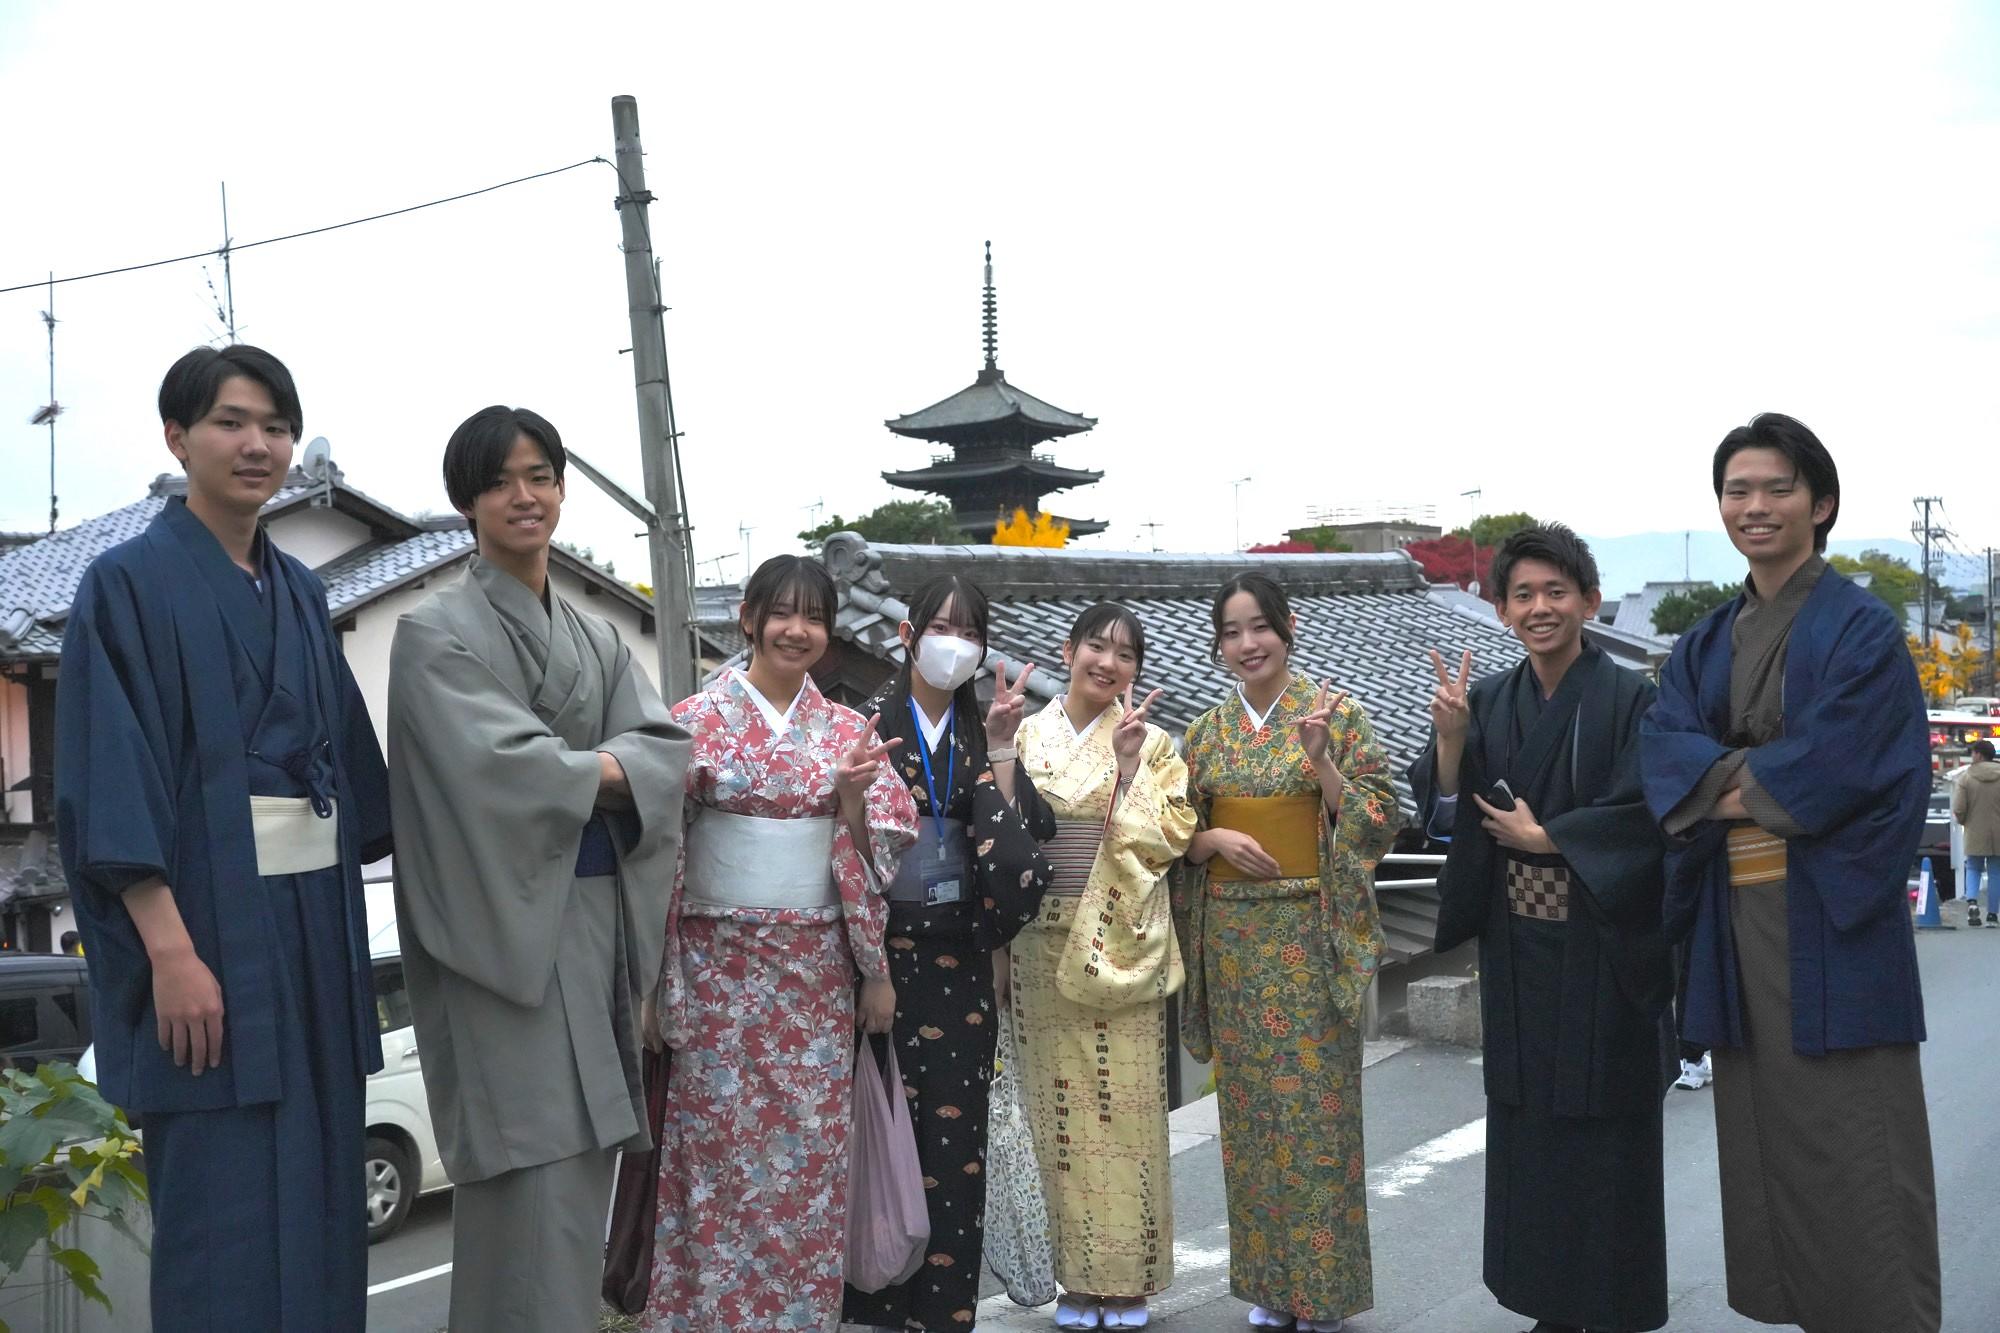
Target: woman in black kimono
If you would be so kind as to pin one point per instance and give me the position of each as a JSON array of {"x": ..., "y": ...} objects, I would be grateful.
[{"x": 975, "y": 877}]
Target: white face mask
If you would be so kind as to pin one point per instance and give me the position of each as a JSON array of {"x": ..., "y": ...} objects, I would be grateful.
[{"x": 947, "y": 662}]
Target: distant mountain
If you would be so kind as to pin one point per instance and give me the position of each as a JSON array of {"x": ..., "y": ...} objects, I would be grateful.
[{"x": 1626, "y": 564}]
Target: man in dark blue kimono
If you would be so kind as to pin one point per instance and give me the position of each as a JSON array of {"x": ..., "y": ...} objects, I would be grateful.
[
  {"x": 1787, "y": 758},
  {"x": 218, "y": 787},
  {"x": 1559, "y": 876}
]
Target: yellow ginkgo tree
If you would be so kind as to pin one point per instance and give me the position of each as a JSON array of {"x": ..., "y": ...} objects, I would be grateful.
[
  {"x": 1024, "y": 529},
  {"x": 1945, "y": 672}
]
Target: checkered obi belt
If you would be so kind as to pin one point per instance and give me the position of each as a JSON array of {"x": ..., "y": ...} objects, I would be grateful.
[
  {"x": 1537, "y": 891},
  {"x": 1755, "y": 857}
]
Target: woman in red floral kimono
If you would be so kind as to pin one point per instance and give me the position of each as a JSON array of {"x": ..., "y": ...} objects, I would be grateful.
[{"x": 796, "y": 821}]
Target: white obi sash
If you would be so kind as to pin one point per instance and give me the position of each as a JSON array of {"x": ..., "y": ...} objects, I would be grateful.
[
  {"x": 291, "y": 839},
  {"x": 750, "y": 861}
]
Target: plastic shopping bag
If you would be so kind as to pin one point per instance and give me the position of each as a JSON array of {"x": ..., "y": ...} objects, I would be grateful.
[
  {"x": 1017, "y": 1216},
  {"x": 888, "y": 1221}
]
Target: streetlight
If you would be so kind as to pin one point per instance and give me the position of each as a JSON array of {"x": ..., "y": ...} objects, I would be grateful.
[{"x": 1236, "y": 493}]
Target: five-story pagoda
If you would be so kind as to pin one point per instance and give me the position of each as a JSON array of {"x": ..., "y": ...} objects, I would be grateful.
[{"x": 992, "y": 428}]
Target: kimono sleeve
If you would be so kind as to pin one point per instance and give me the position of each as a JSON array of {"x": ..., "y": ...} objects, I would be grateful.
[
  {"x": 653, "y": 749},
  {"x": 367, "y": 774},
  {"x": 1676, "y": 750},
  {"x": 489, "y": 809},
  {"x": 1612, "y": 842},
  {"x": 864, "y": 873},
  {"x": 1013, "y": 875},
  {"x": 1187, "y": 887},
  {"x": 115, "y": 813},
  {"x": 1154, "y": 821},
  {"x": 1369, "y": 817}
]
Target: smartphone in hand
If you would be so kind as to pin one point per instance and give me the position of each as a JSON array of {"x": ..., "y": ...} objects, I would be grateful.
[{"x": 1500, "y": 796}]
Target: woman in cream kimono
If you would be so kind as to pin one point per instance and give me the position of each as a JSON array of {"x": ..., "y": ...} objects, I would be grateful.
[{"x": 1092, "y": 974}]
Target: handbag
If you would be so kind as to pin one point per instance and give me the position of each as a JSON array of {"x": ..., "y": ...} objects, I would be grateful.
[
  {"x": 635, "y": 1203},
  {"x": 1017, "y": 1215},
  {"x": 888, "y": 1220}
]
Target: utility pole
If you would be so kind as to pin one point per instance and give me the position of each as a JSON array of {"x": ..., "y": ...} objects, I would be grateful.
[
  {"x": 54, "y": 409},
  {"x": 1924, "y": 536},
  {"x": 228, "y": 282},
  {"x": 659, "y": 441},
  {"x": 1992, "y": 662}
]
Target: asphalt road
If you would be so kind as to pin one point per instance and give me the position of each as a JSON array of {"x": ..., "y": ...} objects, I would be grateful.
[{"x": 1425, "y": 1141}]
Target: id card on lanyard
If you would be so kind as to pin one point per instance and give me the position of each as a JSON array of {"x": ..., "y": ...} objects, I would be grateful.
[{"x": 944, "y": 860}]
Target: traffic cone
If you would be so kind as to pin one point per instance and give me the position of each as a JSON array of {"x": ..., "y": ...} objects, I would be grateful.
[{"x": 1927, "y": 901}]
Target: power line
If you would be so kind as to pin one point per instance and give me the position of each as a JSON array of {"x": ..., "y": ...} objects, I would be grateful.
[{"x": 297, "y": 235}]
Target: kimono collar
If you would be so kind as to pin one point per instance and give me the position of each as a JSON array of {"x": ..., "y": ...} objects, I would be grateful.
[
  {"x": 1258, "y": 720},
  {"x": 933, "y": 731},
  {"x": 201, "y": 540},
  {"x": 1113, "y": 710},
  {"x": 1793, "y": 595},
  {"x": 512, "y": 598},
  {"x": 779, "y": 723}
]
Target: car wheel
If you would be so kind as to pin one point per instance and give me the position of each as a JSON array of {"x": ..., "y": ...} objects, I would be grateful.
[{"x": 392, "y": 1187}]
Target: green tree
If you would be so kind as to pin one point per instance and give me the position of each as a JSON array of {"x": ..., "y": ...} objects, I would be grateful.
[
  {"x": 1677, "y": 611},
  {"x": 1492, "y": 529},
  {"x": 910, "y": 522},
  {"x": 1890, "y": 578}
]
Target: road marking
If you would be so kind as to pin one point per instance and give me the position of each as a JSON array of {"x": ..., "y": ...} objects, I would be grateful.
[
  {"x": 1393, "y": 1178},
  {"x": 410, "y": 1280}
]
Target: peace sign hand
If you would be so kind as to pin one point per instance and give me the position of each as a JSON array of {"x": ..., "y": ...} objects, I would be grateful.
[
  {"x": 1450, "y": 714},
  {"x": 859, "y": 765},
  {"x": 1130, "y": 736},
  {"x": 1316, "y": 727},
  {"x": 1010, "y": 705}
]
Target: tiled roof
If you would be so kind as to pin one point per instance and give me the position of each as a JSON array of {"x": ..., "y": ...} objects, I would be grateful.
[
  {"x": 1635, "y": 609},
  {"x": 365, "y": 574},
  {"x": 985, "y": 404},
  {"x": 1365, "y": 621}
]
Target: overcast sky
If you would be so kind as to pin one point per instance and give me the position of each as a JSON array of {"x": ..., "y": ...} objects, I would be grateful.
[{"x": 1381, "y": 257}]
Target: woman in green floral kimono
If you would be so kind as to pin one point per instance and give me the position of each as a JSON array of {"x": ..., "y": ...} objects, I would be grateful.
[{"x": 1276, "y": 914}]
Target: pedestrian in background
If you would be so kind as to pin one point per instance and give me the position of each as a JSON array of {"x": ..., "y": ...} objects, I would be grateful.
[
  {"x": 1275, "y": 912},
  {"x": 1788, "y": 760},
  {"x": 1975, "y": 803}
]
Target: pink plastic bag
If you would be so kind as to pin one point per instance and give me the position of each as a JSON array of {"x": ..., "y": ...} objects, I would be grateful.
[{"x": 888, "y": 1222}]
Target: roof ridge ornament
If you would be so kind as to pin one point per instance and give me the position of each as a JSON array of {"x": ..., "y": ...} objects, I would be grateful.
[{"x": 990, "y": 317}]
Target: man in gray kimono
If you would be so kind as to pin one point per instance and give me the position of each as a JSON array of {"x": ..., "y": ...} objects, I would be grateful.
[{"x": 536, "y": 780}]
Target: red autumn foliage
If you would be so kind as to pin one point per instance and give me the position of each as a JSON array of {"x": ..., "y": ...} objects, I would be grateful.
[
  {"x": 1452, "y": 559},
  {"x": 1290, "y": 546}
]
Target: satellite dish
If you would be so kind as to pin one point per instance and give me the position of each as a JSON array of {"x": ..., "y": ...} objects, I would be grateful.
[{"x": 319, "y": 458}]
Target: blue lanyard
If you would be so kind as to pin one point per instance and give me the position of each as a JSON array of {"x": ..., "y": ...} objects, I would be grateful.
[{"x": 951, "y": 764}]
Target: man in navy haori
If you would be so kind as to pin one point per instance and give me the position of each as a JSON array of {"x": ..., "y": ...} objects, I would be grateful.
[
  {"x": 1787, "y": 758},
  {"x": 218, "y": 787}
]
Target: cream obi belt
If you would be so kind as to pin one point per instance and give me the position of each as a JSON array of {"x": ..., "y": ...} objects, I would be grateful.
[
  {"x": 750, "y": 861},
  {"x": 291, "y": 839},
  {"x": 1286, "y": 827}
]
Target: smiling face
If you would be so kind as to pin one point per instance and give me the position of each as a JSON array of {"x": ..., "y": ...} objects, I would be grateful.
[
  {"x": 792, "y": 637},
  {"x": 1768, "y": 509},
  {"x": 1546, "y": 610},
  {"x": 516, "y": 515},
  {"x": 236, "y": 456},
  {"x": 1250, "y": 644},
  {"x": 1101, "y": 666}
]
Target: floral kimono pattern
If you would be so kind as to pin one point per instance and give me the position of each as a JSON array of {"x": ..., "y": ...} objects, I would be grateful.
[
  {"x": 758, "y": 1005},
  {"x": 1277, "y": 970},
  {"x": 1091, "y": 978}
]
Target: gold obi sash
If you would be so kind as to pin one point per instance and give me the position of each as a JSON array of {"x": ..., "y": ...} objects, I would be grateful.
[
  {"x": 1287, "y": 827},
  {"x": 290, "y": 838},
  {"x": 1755, "y": 856}
]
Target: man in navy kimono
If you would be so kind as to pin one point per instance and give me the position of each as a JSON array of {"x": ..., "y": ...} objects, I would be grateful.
[
  {"x": 218, "y": 787},
  {"x": 1787, "y": 758}
]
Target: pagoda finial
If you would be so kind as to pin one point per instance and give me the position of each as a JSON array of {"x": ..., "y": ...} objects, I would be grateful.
[{"x": 991, "y": 319}]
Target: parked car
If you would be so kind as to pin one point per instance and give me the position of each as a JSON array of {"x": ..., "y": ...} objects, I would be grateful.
[
  {"x": 402, "y": 1153},
  {"x": 1937, "y": 843},
  {"x": 44, "y": 1008}
]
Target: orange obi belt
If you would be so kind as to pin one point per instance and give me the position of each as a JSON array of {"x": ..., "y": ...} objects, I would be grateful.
[
  {"x": 1287, "y": 827},
  {"x": 1755, "y": 857}
]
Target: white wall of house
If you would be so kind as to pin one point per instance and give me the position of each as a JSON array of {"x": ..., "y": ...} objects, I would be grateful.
[
  {"x": 15, "y": 806},
  {"x": 315, "y": 536},
  {"x": 367, "y": 644}
]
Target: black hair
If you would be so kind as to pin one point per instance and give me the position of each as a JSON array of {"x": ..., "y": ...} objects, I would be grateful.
[
  {"x": 969, "y": 608},
  {"x": 69, "y": 939},
  {"x": 1272, "y": 603},
  {"x": 1984, "y": 749},
  {"x": 1801, "y": 448},
  {"x": 191, "y": 384},
  {"x": 478, "y": 449},
  {"x": 1097, "y": 621},
  {"x": 797, "y": 578},
  {"x": 1551, "y": 543}
]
